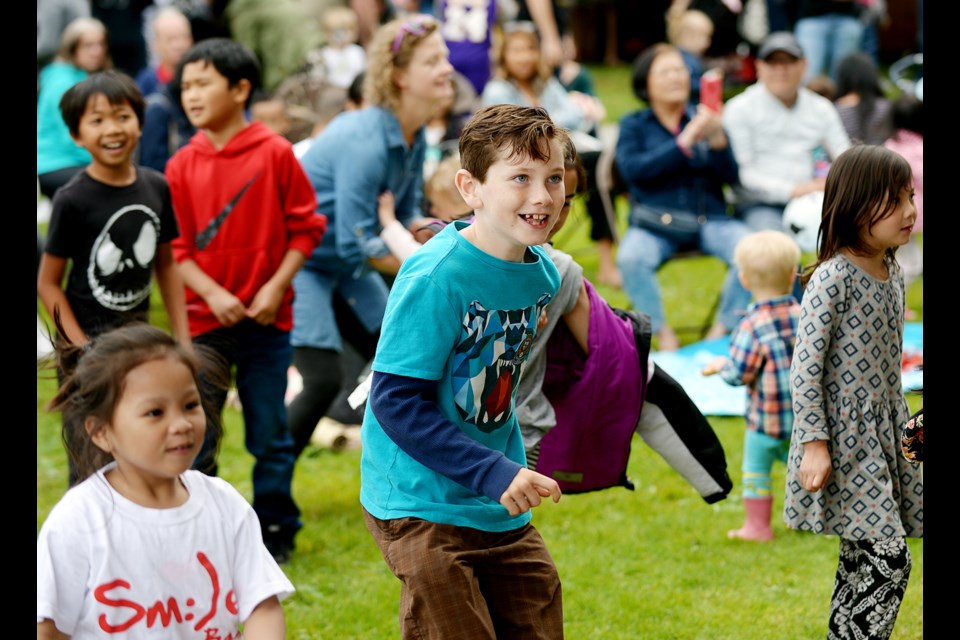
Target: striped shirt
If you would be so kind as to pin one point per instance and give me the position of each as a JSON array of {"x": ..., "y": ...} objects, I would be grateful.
[{"x": 761, "y": 348}]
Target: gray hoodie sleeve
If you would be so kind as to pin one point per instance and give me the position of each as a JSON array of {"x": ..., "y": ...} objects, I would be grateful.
[{"x": 534, "y": 411}]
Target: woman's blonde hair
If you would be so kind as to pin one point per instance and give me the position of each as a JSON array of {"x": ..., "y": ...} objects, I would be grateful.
[
  {"x": 520, "y": 30},
  {"x": 70, "y": 38},
  {"x": 390, "y": 50}
]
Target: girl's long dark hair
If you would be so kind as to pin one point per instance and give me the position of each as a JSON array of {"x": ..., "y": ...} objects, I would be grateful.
[
  {"x": 864, "y": 186},
  {"x": 857, "y": 73}
]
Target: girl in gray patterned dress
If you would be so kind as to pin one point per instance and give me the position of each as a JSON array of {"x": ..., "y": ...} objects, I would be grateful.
[{"x": 845, "y": 474}]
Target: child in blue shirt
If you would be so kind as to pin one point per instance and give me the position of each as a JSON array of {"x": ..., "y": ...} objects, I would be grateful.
[
  {"x": 444, "y": 484},
  {"x": 761, "y": 349}
]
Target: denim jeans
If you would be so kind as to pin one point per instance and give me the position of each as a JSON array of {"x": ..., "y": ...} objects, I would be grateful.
[
  {"x": 781, "y": 15},
  {"x": 761, "y": 217},
  {"x": 262, "y": 356},
  {"x": 642, "y": 252},
  {"x": 826, "y": 40}
]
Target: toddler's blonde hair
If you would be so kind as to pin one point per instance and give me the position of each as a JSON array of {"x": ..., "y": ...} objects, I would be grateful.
[
  {"x": 339, "y": 17},
  {"x": 679, "y": 24},
  {"x": 442, "y": 186},
  {"x": 768, "y": 259}
]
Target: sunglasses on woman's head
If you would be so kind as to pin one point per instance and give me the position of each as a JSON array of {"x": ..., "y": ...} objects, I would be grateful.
[{"x": 415, "y": 26}]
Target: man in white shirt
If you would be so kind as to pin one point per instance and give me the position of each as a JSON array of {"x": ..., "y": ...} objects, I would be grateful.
[{"x": 776, "y": 128}]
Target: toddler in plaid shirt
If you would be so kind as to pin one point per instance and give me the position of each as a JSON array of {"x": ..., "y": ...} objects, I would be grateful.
[{"x": 761, "y": 348}]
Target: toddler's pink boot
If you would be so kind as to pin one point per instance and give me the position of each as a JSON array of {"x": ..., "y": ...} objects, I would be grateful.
[{"x": 757, "y": 524}]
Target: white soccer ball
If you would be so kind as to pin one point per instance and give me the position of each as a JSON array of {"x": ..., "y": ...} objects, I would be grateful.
[{"x": 801, "y": 219}]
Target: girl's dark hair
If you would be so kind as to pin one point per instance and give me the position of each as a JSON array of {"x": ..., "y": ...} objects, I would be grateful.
[
  {"x": 231, "y": 59},
  {"x": 641, "y": 67},
  {"x": 93, "y": 378},
  {"x": 116, "y": 86},
  {"x": 864, "y": 186},
  {"x": 857, "y": 73},
  {"x": 908, "y": 113}
]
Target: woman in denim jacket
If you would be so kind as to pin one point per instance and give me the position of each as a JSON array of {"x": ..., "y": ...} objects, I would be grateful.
[
  {"x": 675, "y": 162},
  {"x": 340, "y": 293}
]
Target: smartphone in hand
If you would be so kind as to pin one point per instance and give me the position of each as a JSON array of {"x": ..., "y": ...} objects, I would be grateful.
[{"x": 711, "y": 89}]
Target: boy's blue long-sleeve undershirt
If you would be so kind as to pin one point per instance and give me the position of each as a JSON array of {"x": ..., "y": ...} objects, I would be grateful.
[{"x": 407, "y": 410}]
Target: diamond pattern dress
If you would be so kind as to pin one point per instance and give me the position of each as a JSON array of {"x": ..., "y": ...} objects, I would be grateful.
[{"x": 846, "y": 381}]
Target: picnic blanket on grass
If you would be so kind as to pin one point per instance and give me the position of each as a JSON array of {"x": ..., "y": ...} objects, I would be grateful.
[{"x": 714, "y": 397}]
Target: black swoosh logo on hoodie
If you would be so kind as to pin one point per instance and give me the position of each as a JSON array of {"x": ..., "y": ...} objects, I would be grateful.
[{"x": 206, "y": 236}]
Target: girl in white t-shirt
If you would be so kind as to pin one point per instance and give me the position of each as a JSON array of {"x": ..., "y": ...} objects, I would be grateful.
[{"x": 144, "y": 546}]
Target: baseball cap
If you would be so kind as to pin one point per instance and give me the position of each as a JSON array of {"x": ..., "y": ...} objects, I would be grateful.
[{"x": 780, "y": 41}]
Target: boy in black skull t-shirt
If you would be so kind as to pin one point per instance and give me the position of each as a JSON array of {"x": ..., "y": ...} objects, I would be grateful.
[{"x": 113, "y": 221}]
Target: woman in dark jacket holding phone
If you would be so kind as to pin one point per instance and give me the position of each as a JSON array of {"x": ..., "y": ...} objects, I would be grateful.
[{"x": 675, "y": 161}]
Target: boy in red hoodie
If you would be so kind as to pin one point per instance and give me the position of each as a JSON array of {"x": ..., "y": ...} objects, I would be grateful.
[{"x": 248, "y": 221}]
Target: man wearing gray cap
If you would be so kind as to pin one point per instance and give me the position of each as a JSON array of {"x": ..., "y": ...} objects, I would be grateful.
[{"x": 775, "y": 127}]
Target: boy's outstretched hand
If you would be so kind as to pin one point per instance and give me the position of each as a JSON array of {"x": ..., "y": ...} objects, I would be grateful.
[{"x": 526, "y": 490}]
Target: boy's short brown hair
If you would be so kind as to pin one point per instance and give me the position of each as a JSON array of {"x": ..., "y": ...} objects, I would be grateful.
[
  {"x": 768, "y": 259},
  {"x": 525, "y": 132}
]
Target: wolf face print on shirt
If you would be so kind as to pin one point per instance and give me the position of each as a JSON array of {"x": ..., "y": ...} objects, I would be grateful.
[{"x": 487, "y": 361}]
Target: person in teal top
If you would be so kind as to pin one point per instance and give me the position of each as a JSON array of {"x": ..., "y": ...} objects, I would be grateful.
[
  {"x": 83, "y": 50},
  {"x": 449, "y": 272},
  {"x": 444, "y": 485}
]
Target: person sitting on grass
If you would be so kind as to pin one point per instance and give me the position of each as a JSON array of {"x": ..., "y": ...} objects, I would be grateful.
[
  {"x": 761, "y": 350},
  {"x": 676, "y": 162}
]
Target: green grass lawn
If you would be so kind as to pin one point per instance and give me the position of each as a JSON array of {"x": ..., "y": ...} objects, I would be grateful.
[{"x": 653, "y": 563}]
